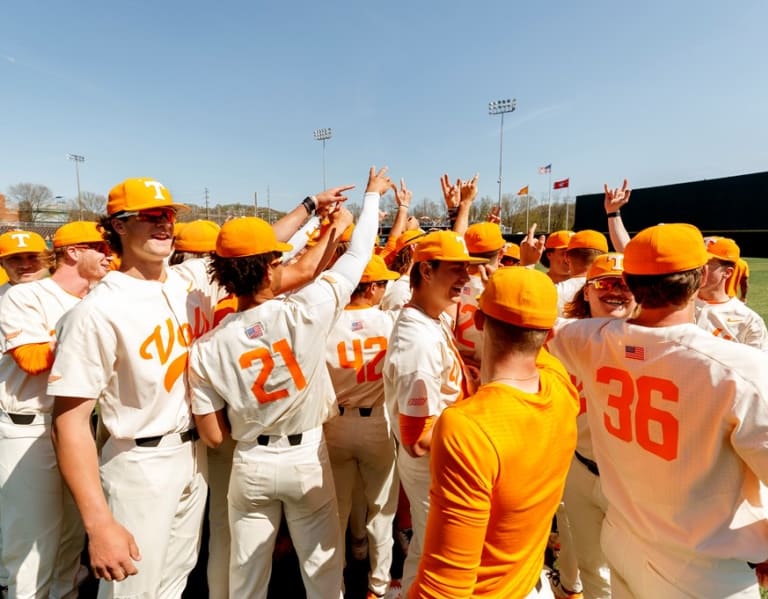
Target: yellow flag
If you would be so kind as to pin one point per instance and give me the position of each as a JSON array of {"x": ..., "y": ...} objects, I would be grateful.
[{"x": 523, "y": 191}]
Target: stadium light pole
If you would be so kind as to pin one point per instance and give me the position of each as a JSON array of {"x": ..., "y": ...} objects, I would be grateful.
[
  {"x": 501, "y": 107},
  {"x": 77, "y": 159},
  {"x": 323, "y": 135}
]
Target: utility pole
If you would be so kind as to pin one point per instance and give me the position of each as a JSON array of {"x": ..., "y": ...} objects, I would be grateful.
[
  {"x": 269, "y": 210},
  {"x": 255, "y": 203},
  {"x": 206, "y": 204}
]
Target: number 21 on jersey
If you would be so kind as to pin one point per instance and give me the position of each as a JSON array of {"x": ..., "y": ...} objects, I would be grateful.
[
  {"x": 630, "y": 414},
  {"x": 263, "y": 354}
]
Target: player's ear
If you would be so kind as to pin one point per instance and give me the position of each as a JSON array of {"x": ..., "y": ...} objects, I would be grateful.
[
  {"x": 479, "y": 318},
  {"x": 118, "y": 225}
]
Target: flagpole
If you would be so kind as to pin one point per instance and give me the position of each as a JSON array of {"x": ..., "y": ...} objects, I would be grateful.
[
  {"x": 549, "y": 203},
  {"x": 527, "y": 207}
]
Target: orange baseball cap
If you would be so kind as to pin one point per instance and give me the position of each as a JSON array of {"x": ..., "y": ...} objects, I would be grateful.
[
  {"x": 665, "y": 249},
  {"x": 197, "y": 236},
  {"x": 484, "y": 237},
  {"x": 512, "y": 250},
  {"x": 445, "y": 246},
  {"x": 377, "y": 271},
  {"x": 248, "y": 236},
  {"x": 725, "y": 249},
  {"x": 558, "y": 240},
  {"x": 606, "y": 265},
  {"x": 18, "y": 241},
  {"x": 79, "y": 231},
  {"x": 407, "y": 238},
  {"x": 523, "y": 297},
  {"x": 588, "y": 239},
  {"x": 140, "y": 194},
  {"x": 3, "y": 276}
]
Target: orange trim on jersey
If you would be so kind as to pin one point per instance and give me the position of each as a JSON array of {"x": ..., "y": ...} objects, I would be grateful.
[
  {"x": 351, "y": 307},
  {"x": 413, "y": 428},
  {"x": 33, "y": 358}
]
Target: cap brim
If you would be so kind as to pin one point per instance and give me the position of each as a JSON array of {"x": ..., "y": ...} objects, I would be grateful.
[
  {"x": 283, "y": 247},
  {"x": 468, "y": 260}
]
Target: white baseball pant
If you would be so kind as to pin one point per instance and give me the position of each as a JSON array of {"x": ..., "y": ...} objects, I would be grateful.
[
  {"x": 278, "y": 477},
  {"x": 158, "y": 494},
  {"x": 365, "y": 447},
  {"x": 42, "y": 534}
]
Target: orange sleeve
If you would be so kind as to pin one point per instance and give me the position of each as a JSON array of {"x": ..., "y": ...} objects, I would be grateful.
[
  {"x": 460, "y": 497},
  {"x": 413, "y": 428},
  {"x": 227, "y": 305},
  {"x": 33, "y": 358},
  {"x": 387, "y": 253}
]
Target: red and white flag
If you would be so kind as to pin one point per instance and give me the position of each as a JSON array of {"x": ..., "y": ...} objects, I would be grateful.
[{"x": 563, "y": 183}]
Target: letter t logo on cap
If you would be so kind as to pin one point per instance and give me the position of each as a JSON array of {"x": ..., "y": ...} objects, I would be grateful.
[
  {"x": 21, "y": 239},
  {"x": 158, "y": 186}
]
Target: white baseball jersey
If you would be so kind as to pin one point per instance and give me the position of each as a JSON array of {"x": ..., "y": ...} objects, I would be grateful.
[
  {"x": 422, "y": 371},
  {"x": 397, "y": 294},
  {"x": 4, "y": 289},
  {"x": 263, "y": 364},
  {"x": 566, "y": 290},
  {"x": 734, "y": 321},
  {"x": 584, "y": 439},
  {"x": 126, "y": 345},
  {"x": 28, "y": 315},
  {"x": 679, "y": 422},
  {"x": 196, "y": 272},
  {"x": 355, "y": 356},
  {"x": 468, "y": 339}
]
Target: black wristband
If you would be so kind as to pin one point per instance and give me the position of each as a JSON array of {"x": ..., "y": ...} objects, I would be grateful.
[
  {"x": 452, "y": 212},
  {"x": 309, "y": 205},
  {"x": 614, "y": 214}
]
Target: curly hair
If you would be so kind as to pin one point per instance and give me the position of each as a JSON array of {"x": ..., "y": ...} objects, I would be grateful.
[
  {"x": 241, "y": 276},
  {"x": 110, "y": 235}
]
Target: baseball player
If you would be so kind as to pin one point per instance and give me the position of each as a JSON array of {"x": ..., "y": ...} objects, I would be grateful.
[
  {"x": 583, "y": 247},
  {"x": 125, "y": 346},
  {"x": 604, "y": 295},
  {"x": 511, "y": 255},
  {"x": 716, "y": 311},
  {"x": 262, "y": 365},
  {"x": 23, "y": 256},
  {"x": 42, "y": 533},
  {"x": 398, "y": 292},
  {"x": 678, "y": 421},
  {"x": 484, "y": 240},
  {"x": 360, "y": 439},
  {"x": 554, "y": 255},
  {"x": 499, "y": 458},
  {"x": 423, "y": 370}
]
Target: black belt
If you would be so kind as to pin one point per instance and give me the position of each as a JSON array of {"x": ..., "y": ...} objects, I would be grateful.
[
  {"x": 22, "y": 418},
  {"x": 591, "y": 466},
  {"x": 190, "y": 435},
  {"x": 364, "y": 412},
  {"x": 292, "y": 439}
]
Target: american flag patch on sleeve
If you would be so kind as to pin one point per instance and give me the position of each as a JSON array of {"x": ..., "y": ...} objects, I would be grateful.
[{"x": 634, "y": 352}]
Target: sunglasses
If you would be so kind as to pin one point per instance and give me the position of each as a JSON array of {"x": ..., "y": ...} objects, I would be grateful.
[
  {"x": 610, "y": 284},
  {"x": 152, "y": 215},
  {"x": 102, "y": 248}
]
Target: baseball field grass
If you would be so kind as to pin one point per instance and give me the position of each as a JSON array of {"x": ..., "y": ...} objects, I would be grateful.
[{"x": 757, "y": 297}]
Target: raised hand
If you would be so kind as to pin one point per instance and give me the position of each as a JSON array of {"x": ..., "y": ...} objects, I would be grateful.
[
  {"x": 328, "y": 198},
  {"x": 531, "y": 247},
  {"x": 493, "y": 215},
  {"x": 451, "y": 192},
  {"x": 469, "y": 189},
  {"x": 378, "y": 182},
  {"x": 403, "y": 195},
  {"x": 616, "y": 198}
]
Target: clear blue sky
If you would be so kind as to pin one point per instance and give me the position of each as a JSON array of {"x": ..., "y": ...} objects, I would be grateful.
[{"x": 226, "y": 95}]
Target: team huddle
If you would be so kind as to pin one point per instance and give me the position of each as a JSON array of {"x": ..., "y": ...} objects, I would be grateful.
[{"x": 297, "y": 374}]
